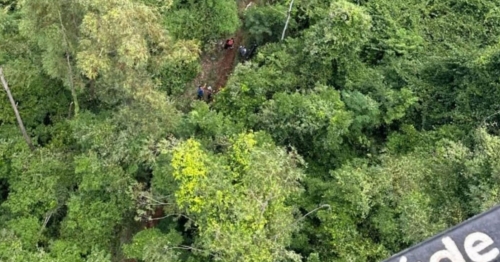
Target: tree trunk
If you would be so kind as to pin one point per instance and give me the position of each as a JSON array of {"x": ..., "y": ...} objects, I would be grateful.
[
  {"x": 72, "y": 84},
  {"x": 70, "y": 71},
  {"x": 287, "y": 20},
  {"x": 13, "y": 103}
]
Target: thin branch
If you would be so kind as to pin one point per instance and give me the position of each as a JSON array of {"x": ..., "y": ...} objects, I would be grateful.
[
  {"x": 150, "y": 198},
  {"x": 161, "y": 204},
  {"x": 164, "y": 197},
  {"x": 183, "y": 247},
  {"x": 70, "y": 70},
  {"x": 63, "y": 29},
  {"x": 287, "y": 20},
  {"x": 16, "y": 112},
  {"x": 490, "y": 116},
  {"x": 71, "y": 82},
  {"x": 249, "y": 4},
  {"x": 46, "y": 221},
  {"x": 314, "y": 210},
  {"x": 191, "y": 248},
  {"x": 304, "y": 216},
  {"x": 70, "y": 108},
  {"x": 263, "y": 205},
  {"x": 160, "y": 218}
]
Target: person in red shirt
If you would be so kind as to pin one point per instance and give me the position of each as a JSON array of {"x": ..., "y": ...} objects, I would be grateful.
[{"x": 229, "y": 43}]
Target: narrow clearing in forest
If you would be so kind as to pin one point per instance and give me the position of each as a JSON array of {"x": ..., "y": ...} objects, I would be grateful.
[
  {"x": 218, "y": 65},
  {"x": 227, "y": 63}
]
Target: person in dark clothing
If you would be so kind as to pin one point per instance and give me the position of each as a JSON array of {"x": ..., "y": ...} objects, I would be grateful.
[
  {"x": 229, "y": 43},
  {"x": 251, "y": 52},
  {"x": 243, "y": 51},
  {"x": 200, "y": 93},
  {"x": 209, "y": 93}
]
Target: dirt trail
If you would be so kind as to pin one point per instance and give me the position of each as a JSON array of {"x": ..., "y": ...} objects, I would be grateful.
[
  {"x": 227, "y": 63},
  {"x": 217, "y": 66}
]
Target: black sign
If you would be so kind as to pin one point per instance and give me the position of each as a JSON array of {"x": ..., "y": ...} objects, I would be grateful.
[{"x": 475, "y": 240}]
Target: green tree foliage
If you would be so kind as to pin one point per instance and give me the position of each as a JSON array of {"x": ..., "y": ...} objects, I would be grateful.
[
  {"x": 371, "y": 127},
  {"x": 116, "y": 42},
  {"x": 81, "y": 196},
  {"x": 236, "y": 200},
  {"x": 265, "y": 23},
  {"x": 153, "y": 245},
  {"x": 338, "y": 36},
  {"x": 317, "y": 122},
  {"x": 203, "y": 20}
]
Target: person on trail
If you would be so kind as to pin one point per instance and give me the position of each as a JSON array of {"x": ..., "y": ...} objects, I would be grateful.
[
  {"x": 242, "y": 50},
  {"x": 251, "y": 52},
  {"x": 200, "y": 92},
  {"x": 229, "y": 43},
  {"x": 209, "y": 94}
]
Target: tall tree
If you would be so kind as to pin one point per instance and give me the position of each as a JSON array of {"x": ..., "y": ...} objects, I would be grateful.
[
  {"x": 16, "y": 112},
  {"x": 236, "y": 201}
]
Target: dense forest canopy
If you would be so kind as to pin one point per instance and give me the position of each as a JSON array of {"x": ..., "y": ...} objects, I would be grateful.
[{"x": 369, "y": 127}]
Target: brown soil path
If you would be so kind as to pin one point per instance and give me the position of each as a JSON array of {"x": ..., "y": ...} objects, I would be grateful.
[
  {"x": 217, "y": 66},
  {"x": 227, "y": 63}
]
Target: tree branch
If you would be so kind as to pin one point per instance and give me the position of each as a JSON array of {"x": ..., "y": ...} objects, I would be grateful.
[
  {"x": 490, "y": 116},
  {"x": 18, "y": 116},
  {"x": 184, "y": 247},
  {"x": 249, "y": 4},
  {"x": 154, "y": 200},
  {"x": 304, "y": 216},
  {"x": 314, "y": 210},
  {"x": 46, "y": 221},
  {"x": 70, "y": 108},
  {"x": 160, "y": 218},
  {"x": 70, "y": 70},
  {"x": 287, "y": 20}
]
